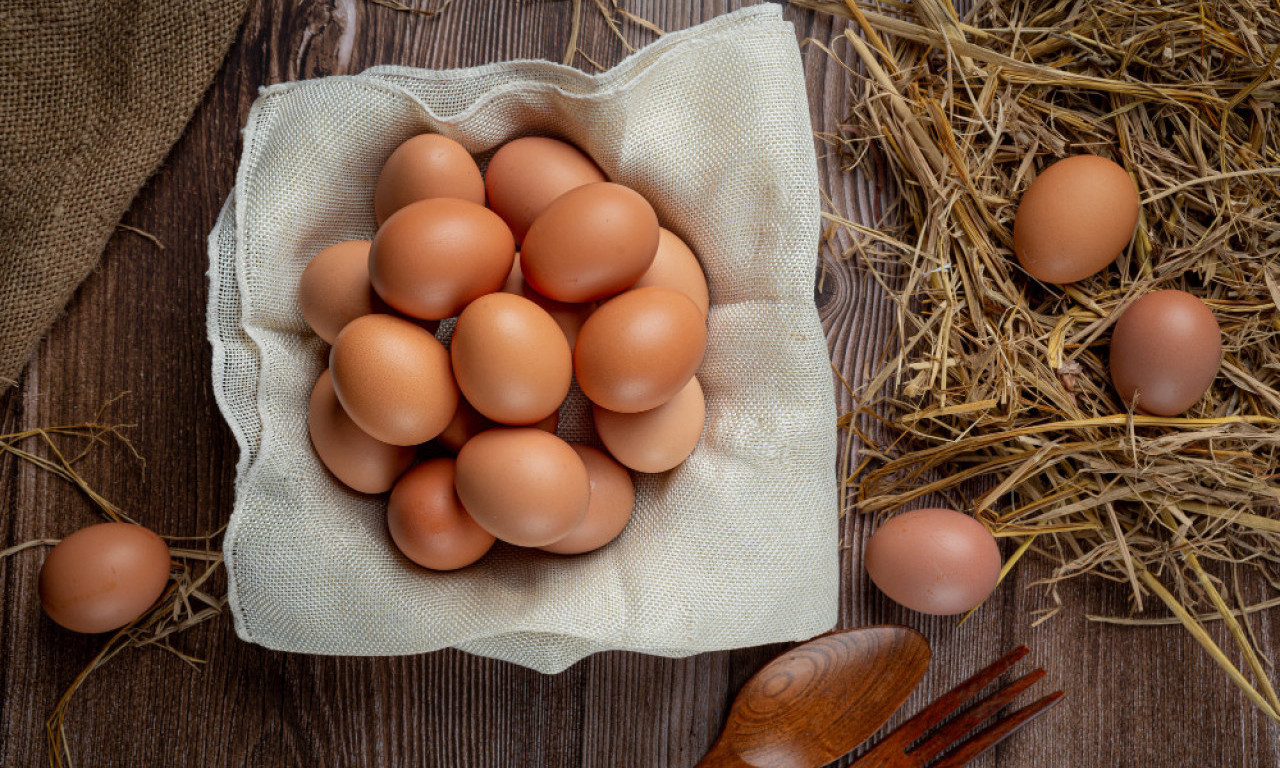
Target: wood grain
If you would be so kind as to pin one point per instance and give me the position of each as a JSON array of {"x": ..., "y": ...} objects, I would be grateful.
[{"x": 1147, "y": 697}]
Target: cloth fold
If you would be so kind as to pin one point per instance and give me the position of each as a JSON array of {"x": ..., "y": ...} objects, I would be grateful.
[{"x": 93, "y": 95}]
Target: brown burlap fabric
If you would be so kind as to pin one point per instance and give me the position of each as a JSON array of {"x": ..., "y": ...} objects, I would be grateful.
[{"x": 93, "y": 93}]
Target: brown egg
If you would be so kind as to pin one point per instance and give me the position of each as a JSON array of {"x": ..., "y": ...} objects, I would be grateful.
[
  {"x": 428, "y": 523},
  {"x": 658, "y": 439},
  {"x": 676, "y": 267},
  {"x": 426, "y": 166},
  {"x": 569, "y": 317},
  {"x": 613, "y": 497},
  {"x": 468, "y": 422},
  {"x": 104, "y": 576},
  {"x": 525, "y": 175},
  {"x": 638, "y": 350},
  {"x": 934, "y": 561},
  {"x": 523, "y": 485},
  {"x": 433, "y": 257},
  {"x": 393, "y": 379},
  {"x": 511, "y": 360},
  {"x": 1165, "y": 351},
  {"x": 1075, "y": 219},
  {"x": 335, "y": 289},
  {"x": 592, "y": 242},
  {"x": 358, "y": 461}
]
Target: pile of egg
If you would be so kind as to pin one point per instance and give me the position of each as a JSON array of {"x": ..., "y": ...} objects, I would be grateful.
[{"x": 562, "y": 276}]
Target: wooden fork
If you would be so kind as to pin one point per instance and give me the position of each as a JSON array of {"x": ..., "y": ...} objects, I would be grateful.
[{"x": 895, "y": 750}]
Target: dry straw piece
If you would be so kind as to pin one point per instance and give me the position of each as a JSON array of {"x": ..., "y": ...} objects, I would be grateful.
[{"x": 995, "y": 392}]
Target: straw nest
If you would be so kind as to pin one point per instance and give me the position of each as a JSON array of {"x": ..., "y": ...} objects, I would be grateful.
[{"x": 995, "y": 392}]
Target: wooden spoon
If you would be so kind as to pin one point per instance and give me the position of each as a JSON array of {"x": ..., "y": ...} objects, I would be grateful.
[{"x": 818, "y": 701}]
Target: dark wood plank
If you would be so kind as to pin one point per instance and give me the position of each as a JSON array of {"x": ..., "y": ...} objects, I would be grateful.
[{"x": 1135, "y": 696}]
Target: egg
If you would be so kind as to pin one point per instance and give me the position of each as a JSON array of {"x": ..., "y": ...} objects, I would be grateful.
[
  {"x": 592, "y": 242},
  {"x": 523, "y": 485},
  {"x": 1166, "y": 349},
  {"x": 393, "y": 379},
  {"x": 468, "y": 422},
  {"x": 569, "y": 317},
  {"x": 511, "y": 359},
  {"x": 428, "y": 523},
  {"x": 935, "y": 561},
  {"x": 658, "y": 439},
  {"x": 358, "y": 461},
  {"x": 637, "y": 350},
  {"x": 427, "y": 165},
  {"x": 104, "y": 576},
  {"x": 334, "y": 288},
  {"x": 612, "y": 500},
  {"x": 675, "y": 267},
  {"x": 525, "y": 175},
  {"x": 433, "y": 257},
  {"x": 1075, "y": 219}
]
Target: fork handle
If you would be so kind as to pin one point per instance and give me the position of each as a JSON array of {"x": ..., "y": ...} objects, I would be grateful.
[{"x": 721, "y": 756}]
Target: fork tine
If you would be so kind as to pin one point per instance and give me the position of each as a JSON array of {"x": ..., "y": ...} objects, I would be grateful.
[
  {"x": 955, "y": 730},
  {"x": 998, "y": 732},
  {"x": 952, "y": 700}
]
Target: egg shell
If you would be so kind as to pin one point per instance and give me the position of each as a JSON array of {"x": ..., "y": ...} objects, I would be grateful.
[
  {"x": 393, "y": 379},
  {"x": 428, "y": 523},
  {"x": 523, "y": 485},
  {"x": 658, "y": 439},
  {"x": 525, "y": 175},
  {"x": 511, "y": 359},
  {"x": 334, "y": 288},
  {"x": 592, "y": 242},
  {"x": 427, "y": 165},
  {"x": 637, "y": 350},
  {"x": 613, "y": 498},
  {"x": 104, "y": 576},
  {"x": 433, "y": 257},
  {"x": 569, "y": 317},
  {"x": 1075, "y": 219},
  {"x": 935, "y": 561},
  {"x": 358, "y": 461},
  {"x": 1166, "y": 349},
  {"x": 467, "y": 422},
  {"x": 676, "y": 267}
]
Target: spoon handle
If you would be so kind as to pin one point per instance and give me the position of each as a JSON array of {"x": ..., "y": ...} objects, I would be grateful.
[{"x": 721, "y": 756}]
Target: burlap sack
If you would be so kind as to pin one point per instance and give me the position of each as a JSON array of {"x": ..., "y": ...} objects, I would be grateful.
[
  {"x": 736, "y": 547},
  {"x": 93, "y": 93}
]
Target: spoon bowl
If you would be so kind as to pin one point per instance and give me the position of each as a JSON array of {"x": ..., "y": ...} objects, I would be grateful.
[{"x": 820, "y": 700}]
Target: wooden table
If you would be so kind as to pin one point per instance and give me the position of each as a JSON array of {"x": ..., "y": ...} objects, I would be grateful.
[{"x": 1135, "y": 696}]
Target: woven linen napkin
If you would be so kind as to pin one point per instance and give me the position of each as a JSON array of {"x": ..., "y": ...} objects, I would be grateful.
[{"x": 736, "y": 547}]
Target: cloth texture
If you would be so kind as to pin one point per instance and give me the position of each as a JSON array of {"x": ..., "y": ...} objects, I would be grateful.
[
  {"x": 93, "y": 94},
  {"x": 736, "y": 547}
]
